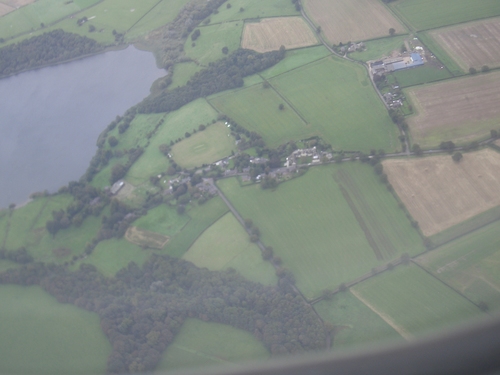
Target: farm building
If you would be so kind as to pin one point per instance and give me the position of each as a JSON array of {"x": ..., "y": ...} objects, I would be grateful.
[{"x": 399, "y": 63}]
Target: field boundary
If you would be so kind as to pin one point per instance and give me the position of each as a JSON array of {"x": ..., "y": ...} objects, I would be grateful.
[
  {"x": 444, "y": 283},
  {"x": 144, "y": 15},
  {"x": 287, "y": 102},
  {"x": 386, "y": 318}
]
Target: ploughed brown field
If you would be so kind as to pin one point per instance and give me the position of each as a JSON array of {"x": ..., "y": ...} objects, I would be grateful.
[
  {"x": 353, "y": 20},
  {"x": 17, "y": 3},
  {"x": 4, "y": 9},
  {"x": 272, "y": 33},
  {"x": 460, "y": 110},
  {"x": 473, "y": 44},
  {"x": 440, "y": 193}
]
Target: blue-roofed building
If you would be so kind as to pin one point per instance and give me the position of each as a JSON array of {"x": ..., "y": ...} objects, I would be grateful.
[{"x": 416, "y": 59}]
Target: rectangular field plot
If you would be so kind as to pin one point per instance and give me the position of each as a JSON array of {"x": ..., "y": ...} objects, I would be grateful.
[
  {"x": 336, "y": 99},
  {"x": 253, "y": 9},
  {"x": 356, "y": 323},
  {"x": 414, "y": 302},
  {"x": 472, "y": 45},
  {"x": 4, "y": 9},
  {"x": 460, "y": 110},
  {"x": 272, "y": 33},
  {"x": 176, "y": 124},
  {"x": 208, "y": 46},
  {"x": 440, "y": 193},
  {"x": 312, "y": 227},
  {"x": 353, "y": 20},
  {"x": 257, "y": 109},
  {"x": 226, "y": 244},
  {"x": 470, "y": 264},
  {"x": 203, "y": 344},
  {"x": 430, "y": 14}
]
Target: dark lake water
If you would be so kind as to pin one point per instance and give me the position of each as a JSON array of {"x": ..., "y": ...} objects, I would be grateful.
[{"x": 50, "y": 118}]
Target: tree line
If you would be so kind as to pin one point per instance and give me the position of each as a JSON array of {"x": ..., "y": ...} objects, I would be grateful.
[
  {"x": 48, "y": 48},
  {"x": 143, "y": 309},
  {"x": 222, "y": 75}
]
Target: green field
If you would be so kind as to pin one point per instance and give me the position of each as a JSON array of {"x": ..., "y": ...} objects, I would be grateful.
[
  {"x": 470, "y": 265},
  {"x": 414, "y": 301},
  {"x": 335, "y": 97},
  {"x": 183, "y": 72},
  {"x": 203, "y": 344},
  {"x": 355, "y": 324},
  {"x": 274, "y": 125},
  {"x": 378, "y": 48},
  {"x": 200, "y": 218},
  {"x": 43, "y": 336},
  {"x": 227, "y": 245},
  {"x": 204, "y": 147},
  {"x": 296, "y": 58},
  {"x": 103, "y": 177},
  {"x": 30, "y": 17},
  {"x": 253, "y": 9},
  {"x": 162, "y": 13},
  {"x": 136, "y": 134},
  {"x": 430, "y": 14},
  {"x": 110, "y": 256},
  {"x": 441, "y": 54},
  {"x": 420, "y": 75},
  {"x": 313, "y": 229},
  {"x": 162, "y": 219},
  {"x": 208, "y": 47},
  {"x": 189, "y": 117}
]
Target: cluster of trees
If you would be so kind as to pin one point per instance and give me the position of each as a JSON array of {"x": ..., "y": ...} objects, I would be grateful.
[
  {"x": 297, "y": 5},
  {"x": 19, "y": 255},
  {"x": 246, "y": 138},
  {"x": 222, "y": 75},
  {"x": 88, "y": 200},
  {"x": 142, "y": 310},
  {"x": 48, "y": 48}
]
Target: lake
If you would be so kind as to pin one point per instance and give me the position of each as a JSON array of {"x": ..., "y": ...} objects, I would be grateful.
[{"x": 50, "y": 118}]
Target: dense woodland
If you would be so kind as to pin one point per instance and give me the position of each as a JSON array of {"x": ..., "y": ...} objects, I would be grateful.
[
  {"x": 142, "y": 309},
  {"x": 222, "y": 75},
  {"x": 45, "y": 49}
]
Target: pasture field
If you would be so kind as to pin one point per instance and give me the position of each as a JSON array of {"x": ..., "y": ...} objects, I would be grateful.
[
  {"x": 296, "y": 58},
  {"x": 103, "y": 177},
  {"x": 336, "y": 99},
  {"x": 136, "y": 134},
  {"x": 414, "y": 302},
  {"x": 420, "y": 75},
  {"x": 253, "y": 9},
  {"x": 354, "y": 20},
  {"x": 161, "y": 14},
  {"x": 378, "y": 48},
  {"x": 163, "y": 220},
  {"x": 183, "y": 73},
  {"x": 274, "y": 125},
  {"x": 440, "y": 193},
  {"x": 38, "y": 335},
  {"x": 430, "y": 14},
  {"x": 322, "y": 241},
  {"x": 227, "y": 245},
  {"x": 200, "y": 218},
  {"x": 145, "y": 238},
  {"x": 205, "y": 343},
  {"x": 472, "y": 45},
  {"x": 272, "y": 33},
  {"x": 185, "y": 119},
  {"x": 460, "y": 110},
  {"x": 17, "y": 3},
  {"x": 204, "y": 147},
  {"x": 356, "y": 324},
  {"x": 470, "y": 265},
  {"x": 208, "y": 47},
  {"x": 110, "y": 256},
  {"x": 30, "y": 17}
]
